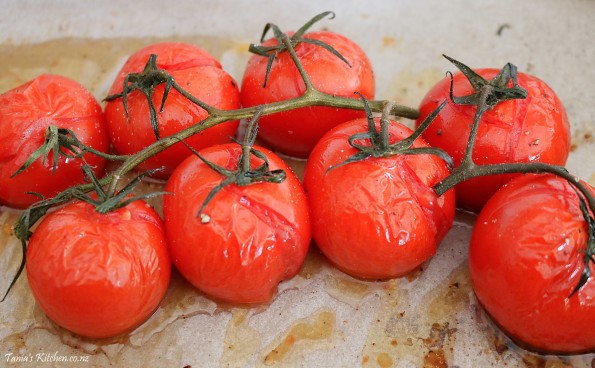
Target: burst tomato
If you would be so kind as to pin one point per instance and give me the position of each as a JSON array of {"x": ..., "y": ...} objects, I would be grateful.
[
  {"x": 526, "y": 257},
  {"x": 296, "y": 132},
  {"x": 256, "y": 235},
  {"x": 523, "y": 130},
  {"x": 198, "y": 73},
  {"x": 99, "y": 275},
  {"x": 26, "y": 112},
  {"x": 377, "y": 218}
]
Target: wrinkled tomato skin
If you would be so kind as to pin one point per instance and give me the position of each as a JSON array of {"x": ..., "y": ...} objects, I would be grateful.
[
  {"x": 201, "y": 75},
  {"x": 25, "y": 114},
  {"x": 257, "y": 235},
  {"x": 99, "y": 275},
  {"x": 531, "y": 129},
  {"x": 295, "y": 132},
  {"x": 526, "y": 257},
  {"x": 378, "y": 218}
]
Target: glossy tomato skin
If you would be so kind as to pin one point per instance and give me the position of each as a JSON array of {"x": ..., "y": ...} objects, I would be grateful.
[
  {"x": 25, "y": 114},
  {"x": 99, "y": 275},
  {"x": 531, "y": 129},
  {"x": 296, "y": 132},
  {"x": 198, "y": 73},
  {"x": 257, "y": 235},
  {"x": 526, "y": 257},
  {"x": 378, "y": 218}
]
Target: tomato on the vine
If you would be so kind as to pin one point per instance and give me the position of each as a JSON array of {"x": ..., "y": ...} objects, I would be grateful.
[
  {"x": 196, "y": 71},
  {"x": 247, "y": 239},
  {"x": 296, "y": 132},
  {"x": 26, "y": 112},
  {"x": 526, "y": 257},
  {"x": 376, "y": 218},
  {"x": 522, "y": 130},
  {"x": 99, "y": 275}
]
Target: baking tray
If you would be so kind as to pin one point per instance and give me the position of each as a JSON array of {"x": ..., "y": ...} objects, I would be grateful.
[{"x": 322, "y": 317}]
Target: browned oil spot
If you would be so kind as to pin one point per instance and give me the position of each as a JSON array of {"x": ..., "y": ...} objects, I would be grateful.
[
  {"x": 500, "y": 345},
  {"x": 365, "y": 359},
  {"x": 438, "y": 333},
  {"x": 435, "y": 359},
  {"x": 14, "y": 341},
  {"x": 241, "y": 341},
  {"x": 388, "y": 41},
  {"x": 450, "y": 296},
  {"x": 384, "y": 360},
  {"x": 7, "y": 229},
  {"x": 533, "y": 361},
  {"x": 346, "y": 289},
  {"x": 319, "y": 327},
  {"x": 582, "y": 135}
]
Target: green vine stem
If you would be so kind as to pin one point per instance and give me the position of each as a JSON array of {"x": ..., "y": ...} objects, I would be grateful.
[{"x": 311, "y": 97}]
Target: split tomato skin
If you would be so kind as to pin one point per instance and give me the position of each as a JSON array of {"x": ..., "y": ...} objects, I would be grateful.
[
  {"x": 253, "y": 237},
  {"x": 198, "y": 73},
  {"x": 99, "y": 275},
  {"x": 378, "y": 218},
  {"x": 526, "y": 258},
  {"x": 296, "y": 132},
  {"x": 534, "y": 129},
  {"x": 25, "y": 114}
]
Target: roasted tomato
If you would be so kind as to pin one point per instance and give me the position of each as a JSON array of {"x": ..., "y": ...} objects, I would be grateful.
[
  {"x": 377, "y": 218},
  {"x": 296, "y": 132},
  {"x": 99, "y": 275},
  {"x": 198, "y": 73},
  {"x": 526, "y": 258},
  {"x": 26, "y": 112},
  {"x": 522, "y": 130},
  {"x": 247, "y": 239}
]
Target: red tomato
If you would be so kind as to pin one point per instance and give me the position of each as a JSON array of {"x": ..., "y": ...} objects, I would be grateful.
[
  {"x": 99, "y": 275},
  {"x": 531, "y": 129},
  {"x": 296, "y": 132},
  {"x": 257, "y": 235},
  {"x": 526, "y": 257},
  {"x": 25, "y": 114},
  {"x": 377, "y": 218},
  {"x": 198, "y": 73}
]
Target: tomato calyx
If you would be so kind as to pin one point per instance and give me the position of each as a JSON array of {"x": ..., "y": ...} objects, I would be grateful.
[
  {"x": 271, "y": 52},
  {"x": 488, "y": 93},
  {"x": 377, "y": 141},
  {"x": 63, "y": 143},
  {"x": 244, "y": 174},
  {"x": 146, "y": 82}
]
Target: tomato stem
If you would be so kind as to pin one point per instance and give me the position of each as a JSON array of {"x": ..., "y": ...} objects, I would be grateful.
[{"x": 379, "y": 143}]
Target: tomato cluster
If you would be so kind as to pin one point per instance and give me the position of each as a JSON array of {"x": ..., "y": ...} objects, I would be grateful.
[{"x": 237, "y": 220}]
